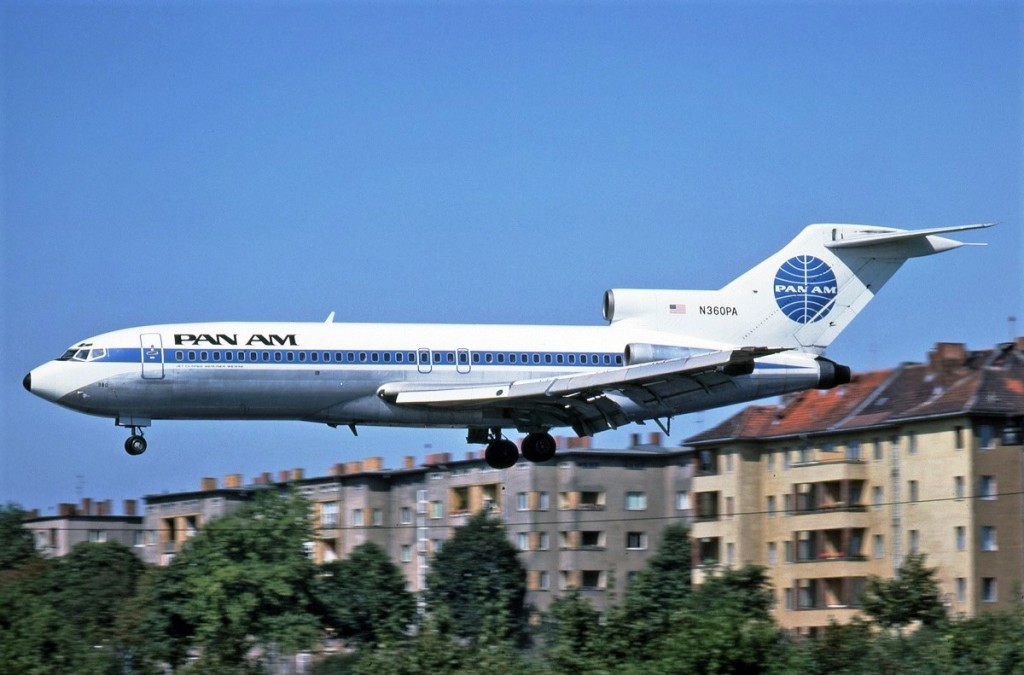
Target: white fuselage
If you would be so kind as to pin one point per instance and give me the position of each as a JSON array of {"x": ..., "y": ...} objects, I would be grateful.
[{"x": 334, "y": 373}]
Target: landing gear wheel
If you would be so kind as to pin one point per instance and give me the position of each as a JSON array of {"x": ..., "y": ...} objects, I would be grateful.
[
  {"x": 501, "y": 454},
  {"x": 135, "y": 445},
  {"x": 539, "y": 447}
]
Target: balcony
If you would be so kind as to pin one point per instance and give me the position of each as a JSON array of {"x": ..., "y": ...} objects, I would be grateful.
[{"x": 831, "y": 469}]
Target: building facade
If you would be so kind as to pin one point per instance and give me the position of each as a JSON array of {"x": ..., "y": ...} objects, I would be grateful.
[
  {"x": 588, "y": 519},
  {"x": 831, "y": 487},
  {"x": 90, "y": 521}
]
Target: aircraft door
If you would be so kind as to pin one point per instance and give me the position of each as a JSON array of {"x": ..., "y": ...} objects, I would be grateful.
[
  {"x": 152, "y": 356},
  {"x": 424, "y": 365},
  {"x": 462, "y": 361}
]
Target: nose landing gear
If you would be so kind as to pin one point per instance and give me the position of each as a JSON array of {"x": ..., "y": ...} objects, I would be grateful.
[{"x": 136, "y": 443}]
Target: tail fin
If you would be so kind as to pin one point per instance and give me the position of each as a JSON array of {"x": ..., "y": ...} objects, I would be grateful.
[{"x": 801, "y": 297}]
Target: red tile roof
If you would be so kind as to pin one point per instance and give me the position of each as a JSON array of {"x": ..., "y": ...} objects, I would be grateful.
[{"x": 953, "y": 382}]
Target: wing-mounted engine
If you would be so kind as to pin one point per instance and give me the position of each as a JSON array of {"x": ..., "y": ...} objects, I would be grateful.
[{"x": 637, "y": 352}]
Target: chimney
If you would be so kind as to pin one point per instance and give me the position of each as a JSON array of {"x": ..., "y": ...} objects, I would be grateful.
[
  {"x": 655, "y": 439},
  {"x": 947, "y": 356},
  {"x": 282, "y": 476},
  {"x": 373, "y": 464},
  {"x": 207, "y": 484},
  {"x": 86, "y": 508},
  {"x": 572, "y": 443},
  {"x": 129, "y": 507},
  {"x": 354, "y": 467},
  {"x": 338, "y": 469},
  {"x": 584, "y": 442},
  {"x": 65, "y": 510},
  {"x": 104, "y": 508},
  {"x": 233, "y": 480},
  {"x": 408, "y": 462},
  {"x": 634, "y": 440},
  {"x": 298, "y": 474}
]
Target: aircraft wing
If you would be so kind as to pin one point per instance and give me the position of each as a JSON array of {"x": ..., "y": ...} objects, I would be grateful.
[{"x": 587, "y": 401}]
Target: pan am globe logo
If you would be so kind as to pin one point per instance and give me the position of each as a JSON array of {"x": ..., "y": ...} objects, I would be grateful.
[{"x": 805, "y": 288}]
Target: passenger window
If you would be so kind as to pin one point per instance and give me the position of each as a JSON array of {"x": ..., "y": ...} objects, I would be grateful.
[
  {"x": 490, "y": 357},
  {"x": 463, "y": 358},
  {"x": 536, "y": 358},
  {"x": 547, "y": 358},
  {"x": 572, "y": 359},
  {"x": 607, "y": 360},
  {"x": 362, "y": 357},
  {"x": 387, "y": 357},
  {"x": 302, "y": 357},
  {"x": 228, "y": 356},
  {"x": 191, "y": 356},
  {"x": 560, "y": 359},
  {"x": 277, "y": 356},
  {"x": 313, "y": 356},
  {"x": 399, "y": 357},
  {"x": 501, "y": 357},
  {"x": 337, "y": 356},
  {"x": 241, "y": 356},
  {"x": 179, "y": 356},
  {"x": 412, "y": 357},
  {"x": 375, "y": 357},
  {"x": 216, "y": 356},
  {"x": 449, "y": 357},
  {"x": 203, "y": 356},
  {"x": 252, "y": 356},
  {"x": 290, "y": 356},
  {"x": 266, "y": 356},
  {"x": 511, "y": 358},
  {"x": 476, "y": 358},
  {"x": 618, "y": 359}
]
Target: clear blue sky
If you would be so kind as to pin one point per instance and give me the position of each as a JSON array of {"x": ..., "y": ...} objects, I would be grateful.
[{"x": 451, "y": 162}]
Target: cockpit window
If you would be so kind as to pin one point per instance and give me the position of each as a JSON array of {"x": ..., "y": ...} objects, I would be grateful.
[{"x": 76, "y": 354}]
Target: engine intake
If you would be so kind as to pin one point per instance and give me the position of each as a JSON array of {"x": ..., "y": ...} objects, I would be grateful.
[{"x": 646, "y": 353}]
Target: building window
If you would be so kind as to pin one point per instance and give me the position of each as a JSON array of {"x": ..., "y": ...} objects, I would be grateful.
[
  {"x": 961, "y": 589},
  {"x": 357, "y": 517},
  {"x": 636, "y": 541},
  {"x": 436, "y": 509},
  {"x": 878, "y": 546},
  {"x": 958, "y": 486},
  {"x": 915, "y": 541},
  {"x": 683, "y": 500},
  {"x": 989, "y": 591},
  {"x": 729, "y": 502},
  {"x": 378, "y": 517},
  {"x": 785, "y": 458},
  {"x": 988, "y": 538},
  {"x": 543, "y": 542},
  {"x": 787, "y": 595},
  {"x": 706, "y": 462},
  {"x": 986, "y": 437},
  {"x": 876, "y": 496},
  {"x": 987, "y": 487},
  {"x": 636, "y": 501},
  {"x": 406, "y": 555},
  {"x": 958, "y": 433},
  {"x": 787, "y": 504},
  {"x": 771, "y": 506},
  {"x": 770, "y": 461},
  {"x": 853, "y": 450},
  {"x": 543, "y": 581},
  {"x": 592, "y": 579},
  {"x": 912, "y": 490},
  {"x": 787, "y": 551},
  {"x": 961, "y": 537},
  {"x": 912, "y": 442},
  {"x": 730, "y": 554},
  {"x": 523, "y": 541},
  {"x": 728, "y": 461},
  {"x": 329, "y": 514},
  {"x": 772, "y": 553},
  {"x": 877, "y": 449},
  {"x": 406, "y": 515},
  {"x": 543, "y": 501},
  {"x": 522, "y": 501}
]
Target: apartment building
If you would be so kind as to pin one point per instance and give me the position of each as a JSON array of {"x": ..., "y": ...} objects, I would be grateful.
[
  {"x": 89, "y": 521},
  {"x": 589, "y": 519},
  {"x": 830, "y": 487}
]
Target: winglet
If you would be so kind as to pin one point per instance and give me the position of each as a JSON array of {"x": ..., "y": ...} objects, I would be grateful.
[{"x": 330, "y": 318}]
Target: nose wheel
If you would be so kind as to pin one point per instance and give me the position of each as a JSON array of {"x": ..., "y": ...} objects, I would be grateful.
[{"x": 135, "y": 444}]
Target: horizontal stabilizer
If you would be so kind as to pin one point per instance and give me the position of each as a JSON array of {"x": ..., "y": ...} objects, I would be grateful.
[{"x": 886, "y": 236}]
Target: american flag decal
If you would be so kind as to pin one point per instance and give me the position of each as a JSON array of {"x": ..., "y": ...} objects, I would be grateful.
[{"x": 677, "y": 309}]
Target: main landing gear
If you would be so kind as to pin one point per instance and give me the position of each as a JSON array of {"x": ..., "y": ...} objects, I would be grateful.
[{"x": 502, "y": 453}]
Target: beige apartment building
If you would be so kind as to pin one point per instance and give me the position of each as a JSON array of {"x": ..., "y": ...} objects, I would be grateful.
[
  {"x": 830, "y": 487},
  {"x": 588, "y": 519},
  {"x": 88, "y": 521}
]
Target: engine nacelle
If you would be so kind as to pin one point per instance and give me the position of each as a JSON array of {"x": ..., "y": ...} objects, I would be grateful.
[
  {"x": 624, "y": 303},
  {"x": 637, "y": 352},
  {"x": 831, "y": 374}
]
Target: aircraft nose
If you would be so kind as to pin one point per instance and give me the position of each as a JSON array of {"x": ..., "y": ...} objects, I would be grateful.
[{"x": 27, "y": 382}]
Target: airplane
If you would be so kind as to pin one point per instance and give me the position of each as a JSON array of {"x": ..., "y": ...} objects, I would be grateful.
[{"x": 662, "y": 354}]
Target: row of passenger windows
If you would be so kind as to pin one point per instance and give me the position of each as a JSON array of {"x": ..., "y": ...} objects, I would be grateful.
[{"x": 461, "y": 357}]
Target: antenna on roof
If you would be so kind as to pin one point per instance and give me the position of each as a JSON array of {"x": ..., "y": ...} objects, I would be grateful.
[{"x": 1012, "y": 321}]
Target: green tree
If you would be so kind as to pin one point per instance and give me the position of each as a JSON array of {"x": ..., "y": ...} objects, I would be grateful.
[
  {"x": 16, "y": 546},
  {"x": 30, "y": 626},
  {"x": 574, "y": 639},
  {"x": 912, "y": 596},
  {"x": 364, "y": 597},
  {"x": 477, "y": 569},
  {"x": 154, "y": 623},
  {"x": 249, "y": 582},
  {"x": 659, "y": 591}
]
